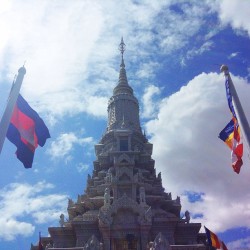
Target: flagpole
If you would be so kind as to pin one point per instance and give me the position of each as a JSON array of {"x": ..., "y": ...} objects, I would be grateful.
[
  {"x": 14, "y": 92},
  {"x": 244, "y": 125}
]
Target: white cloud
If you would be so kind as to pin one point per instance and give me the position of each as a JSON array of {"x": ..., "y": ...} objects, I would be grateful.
[
  {"x": 198, "y": 51},
  {"x": 69, "y": 47},
  {"x": 21, "y": 200},
  {"x": 82, "y": 167},
  {"x": 64, "y": 144},
  {"x": 147, "y": 70},
  {"x": 241, "y": 244},
  {"x": 149, "y": 104},
  {"x": 233, "y": 55},
  {"x": 187, "y": 149},
  {"x": 56, "y": 40},
  {"x": 235, "y": 13}
]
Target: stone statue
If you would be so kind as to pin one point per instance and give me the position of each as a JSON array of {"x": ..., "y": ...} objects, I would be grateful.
[
  {"x": 136, "y": 178},
  {"x": 48, "y": 246},
  {"x": 136, "y": 148},
  {"x": 187, "y": 216},
  {"x": 107, "y": 197},
  {"x": 92, "y": 244},
  {"x": 178, "y": 200},
  {"x": 108, "y": 177},
  {"x": 79, "y": 198},
  {"x": 101, "y": 246},
  {"x": 61, "y": 221},
  {"x": 161, "y": 243},
  {"x": 140, "y": 176},
  {"x": 70, "y": 203},
  {"x": 142, "y": 195}
]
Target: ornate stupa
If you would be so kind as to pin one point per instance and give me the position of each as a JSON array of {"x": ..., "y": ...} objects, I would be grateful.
[{"x": 124, "y": 206}]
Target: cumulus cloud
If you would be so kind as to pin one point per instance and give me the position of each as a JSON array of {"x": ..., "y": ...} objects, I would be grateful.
[
  {"x": 64, "y": 144},
  {"x": 149, "y": 105},
  {"x": 235, "y": 13},
  {"x": 20, "y": 201},
  {"x": 56, "y": 40},
  {"x": 240, "y": 244},
  {"x": 187, "y": 149},
  {"x": 71, "y": 62}
]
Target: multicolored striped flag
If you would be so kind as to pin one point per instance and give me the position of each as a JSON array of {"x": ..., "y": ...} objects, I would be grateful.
[
  {"x": 231, "y": 134},
  {"x": 26, "y": 130},
  {"x": 214, "y": 241}
]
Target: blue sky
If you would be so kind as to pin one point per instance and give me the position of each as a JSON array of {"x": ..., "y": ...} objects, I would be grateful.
[{"x": 174, "y": 50}]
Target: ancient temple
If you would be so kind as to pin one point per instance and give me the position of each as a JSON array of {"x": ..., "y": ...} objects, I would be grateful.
[{"x": 124, "y": 206}]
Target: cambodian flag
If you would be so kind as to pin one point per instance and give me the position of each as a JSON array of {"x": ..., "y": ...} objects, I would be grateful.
[{"x": 26, "y": 130}]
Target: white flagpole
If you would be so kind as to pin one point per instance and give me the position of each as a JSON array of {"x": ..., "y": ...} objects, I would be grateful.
[
  {"x": 244, "y": 125},
  {"x": 14, "y": 92}
]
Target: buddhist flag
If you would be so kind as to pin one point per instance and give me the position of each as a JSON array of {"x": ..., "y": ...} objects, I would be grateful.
[
  {"x": 231, "y": 134},
  {"x": 26, "y": 130},
  {"x": 214, "y": 241}
]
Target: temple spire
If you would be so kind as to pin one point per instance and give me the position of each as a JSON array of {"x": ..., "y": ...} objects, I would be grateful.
[
  {"x": 122, "y": 86},
  {"x": 123, "y": 108},
  {"x": 122, "y": 48}
]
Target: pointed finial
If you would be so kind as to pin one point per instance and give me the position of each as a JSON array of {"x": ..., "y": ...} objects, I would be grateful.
[
  {"x": 224, "y": 68},
  {"x": 122, "y": 47}
]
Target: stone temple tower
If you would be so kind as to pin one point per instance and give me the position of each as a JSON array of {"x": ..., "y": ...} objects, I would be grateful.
[{"x": 124, "y": 206}]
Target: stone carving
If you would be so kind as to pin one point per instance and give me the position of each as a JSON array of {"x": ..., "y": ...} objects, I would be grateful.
[
  {"x": 89, "y": 178},
  {"x": 107, "y": 197},
  {"x": 178, "y": 200},
  {"x": 92, "y": 244},
  {"x": 124, "y": 158},
  {"x": 160, "y": 243},
  {"x": 148, "y": 215},
  {"x": 142, "y": 196},
  {"x": 79, "y": 198},
  {"x": 136, "y": 148},
  {"x": 91, "y": 215},
  {"x": 104, "y": 217},
  {"x": 61, "y": 221},
  {"x": 136, "y": 178},
  {"x": 123, "y": 171},
  {"x": 140, "y": 176},
  {"x": 127, "y": 217},
  {"x": 101, "y": 246},
  {"x": 108, "y": 178},
  {"x": 159, "y": 176},
  {"x": 70, "y": 203},
  {"x": 170, "y": 196},
  {"x": 48, "y": 246},
  {"x": 106, "y": 212}
]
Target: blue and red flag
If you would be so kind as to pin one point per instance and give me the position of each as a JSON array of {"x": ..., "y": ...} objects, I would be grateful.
[
  {"x": 26, "y": 130},
  {"x": 231, "y": 134}
]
